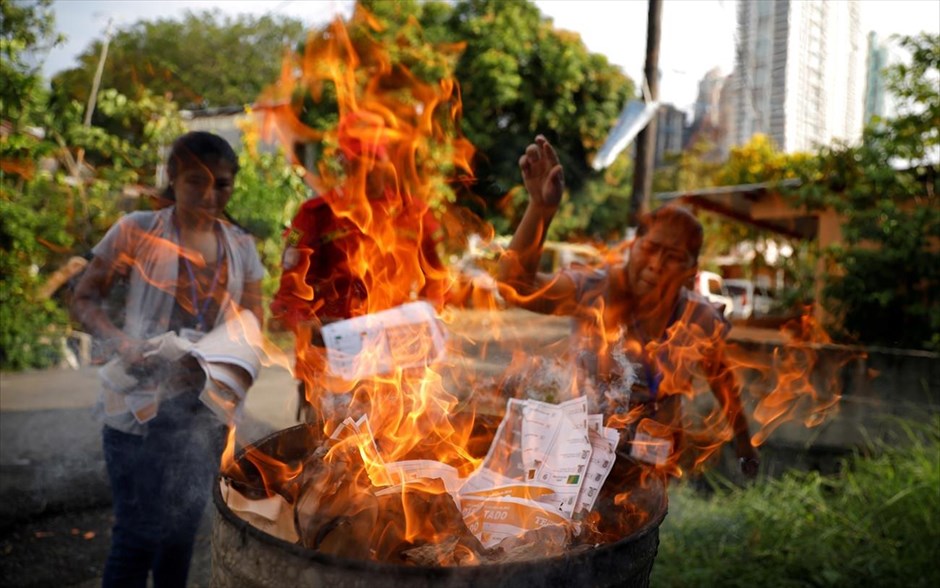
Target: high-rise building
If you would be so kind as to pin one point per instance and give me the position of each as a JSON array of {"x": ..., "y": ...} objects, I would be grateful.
[
  {"x": 882, "y": 53},
  {"x": 708, "y": 122},
  {"x": 874, "y": 79},
  {"x": 670, "y": 132},
  {"x": 709, "y": 93},
  {"x": 727, "y": 101},
  {"x": 800, "y": 64}
]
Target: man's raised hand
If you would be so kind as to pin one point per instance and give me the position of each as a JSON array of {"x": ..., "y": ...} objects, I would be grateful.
[{"x": 542, "y": 174}]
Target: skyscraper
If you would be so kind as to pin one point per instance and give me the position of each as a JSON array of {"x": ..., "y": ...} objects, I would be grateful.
[
  {"x": 670, "y": 133},
  {"x": 711, "y": 120},
  {"x": 800, "y": 66},
  {"x": 882, "y": 53}
]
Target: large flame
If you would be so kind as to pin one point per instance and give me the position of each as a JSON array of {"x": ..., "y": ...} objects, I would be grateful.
[
  {"x": 389, "y": 197},
  {"x": 407, "y": 145}
]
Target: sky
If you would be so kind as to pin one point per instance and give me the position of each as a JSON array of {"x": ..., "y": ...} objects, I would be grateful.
[{"x": 697, "y": 35}]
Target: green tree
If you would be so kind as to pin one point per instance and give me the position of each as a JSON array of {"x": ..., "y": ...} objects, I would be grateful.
[
  {"x": 521, "y": 76},
  {"x": 63, "y": 183},
  {"x": 598, "y": 210},
  {"x": 885, "y": 288},
  {"x": 268, "y": 192},
  {"x": 26, "y": 30},
  {"x": 518, "y": 76},
  {"x": 204, "y": 60},
  {"x": 27, "y": 325}
]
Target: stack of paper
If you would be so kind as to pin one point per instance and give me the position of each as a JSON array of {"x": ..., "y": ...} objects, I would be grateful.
[
  {"x": 230, "y": 356},
  {"x": 546, "y": 465}
]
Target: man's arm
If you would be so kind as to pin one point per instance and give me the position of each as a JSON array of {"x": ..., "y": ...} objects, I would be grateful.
[
  {"x": 544, "y": 180},
  {"x": 726, "y": 390}
]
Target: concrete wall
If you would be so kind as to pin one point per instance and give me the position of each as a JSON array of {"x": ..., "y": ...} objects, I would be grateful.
[{"x": 880, "y": 389}]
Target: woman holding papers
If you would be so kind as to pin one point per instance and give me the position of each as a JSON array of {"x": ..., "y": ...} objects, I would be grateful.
[{"x": 188, "y": 272}]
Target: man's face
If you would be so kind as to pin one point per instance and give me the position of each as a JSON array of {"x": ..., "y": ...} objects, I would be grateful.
[{"x": 660, "y": 262}]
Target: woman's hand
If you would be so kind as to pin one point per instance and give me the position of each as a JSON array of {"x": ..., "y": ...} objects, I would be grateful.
[
  {"x": 542, "y": 175},
  {"x": 132, "y": 350}
]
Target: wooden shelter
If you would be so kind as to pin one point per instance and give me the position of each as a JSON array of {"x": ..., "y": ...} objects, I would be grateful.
[{"x": 762, "y": 206}]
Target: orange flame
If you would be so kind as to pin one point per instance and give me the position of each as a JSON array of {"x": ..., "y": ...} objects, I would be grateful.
[
  {"x": 396, "y": 134},
  {"x": 397, "y": 143}
]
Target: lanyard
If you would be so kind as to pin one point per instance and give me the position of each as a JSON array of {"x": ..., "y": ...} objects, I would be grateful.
[
  {"x": 201, "y": 312},
  {"x": 654, "y": 377}
]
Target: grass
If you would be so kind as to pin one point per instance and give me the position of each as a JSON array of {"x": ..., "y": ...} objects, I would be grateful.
[{"x": 877, "y": 523}]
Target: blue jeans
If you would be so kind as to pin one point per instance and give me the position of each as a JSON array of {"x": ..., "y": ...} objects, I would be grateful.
[{"x": 160, "y": 484}]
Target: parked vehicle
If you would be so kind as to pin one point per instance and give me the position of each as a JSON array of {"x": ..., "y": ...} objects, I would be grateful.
[
  {"x": 557, "y": 255},
  {"x": 750, "y": 299},
  {"x": 712, "y": 286}
]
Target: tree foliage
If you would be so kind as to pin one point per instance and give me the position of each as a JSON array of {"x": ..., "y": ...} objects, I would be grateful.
[
  {"x": 599, "y": 209},
  {"x": 518, "y": 75},
  {"x": 206, "y": 59},
  {"x": 521, "y": 76},
  {"x": 886, "y": 288},
  {"x": 63, "y": 183},
  {"x": 25, "y": 322},
  {"x": 268, "y": 192},
  {"x": 26, "y": 29}
]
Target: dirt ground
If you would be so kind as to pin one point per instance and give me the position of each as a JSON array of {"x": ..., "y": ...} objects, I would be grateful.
[{"x": 70, "y": 548}]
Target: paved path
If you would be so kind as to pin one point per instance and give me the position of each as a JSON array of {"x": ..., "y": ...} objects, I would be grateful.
[{"x": 50, "y": 445}]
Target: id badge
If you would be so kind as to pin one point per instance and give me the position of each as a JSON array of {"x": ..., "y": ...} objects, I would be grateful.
[{"x": 191, "y": 335}]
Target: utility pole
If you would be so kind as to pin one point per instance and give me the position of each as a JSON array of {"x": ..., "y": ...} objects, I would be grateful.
[
  {"x": 93, "y": 97},
  {"x": 96, "y": 83},
  {"x": 646, "y": 141}
]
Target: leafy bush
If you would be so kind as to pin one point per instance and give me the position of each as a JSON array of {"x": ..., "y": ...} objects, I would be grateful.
[
  {"x": 886, "y": 189},
  {"x": 62, "y": 182},
  {"x": 29, "y": 328},
  {"x": 268, "y": 192}
]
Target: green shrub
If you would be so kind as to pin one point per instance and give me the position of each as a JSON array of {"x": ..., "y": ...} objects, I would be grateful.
[{"x": 876, "y": 524}]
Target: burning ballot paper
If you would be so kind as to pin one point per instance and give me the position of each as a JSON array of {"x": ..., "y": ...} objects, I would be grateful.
[
  {"x": 404, "y": 337},
  {"x": 271, "y": 514},
  {"x": 545, "y": 458},
  {"x": 545, "y": 467}
]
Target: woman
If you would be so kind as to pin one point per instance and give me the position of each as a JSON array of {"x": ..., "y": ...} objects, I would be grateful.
[{"x": 186, "y": 268}]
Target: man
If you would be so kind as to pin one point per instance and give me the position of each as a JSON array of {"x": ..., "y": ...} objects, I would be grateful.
[
  {"x": 639, "y": 310},
  {"x": 323, "y": 276}
]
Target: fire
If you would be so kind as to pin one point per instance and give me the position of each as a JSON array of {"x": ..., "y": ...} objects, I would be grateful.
[
  {"x": 794, "y": 383},
  {"x": 360, "y": 487}
]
